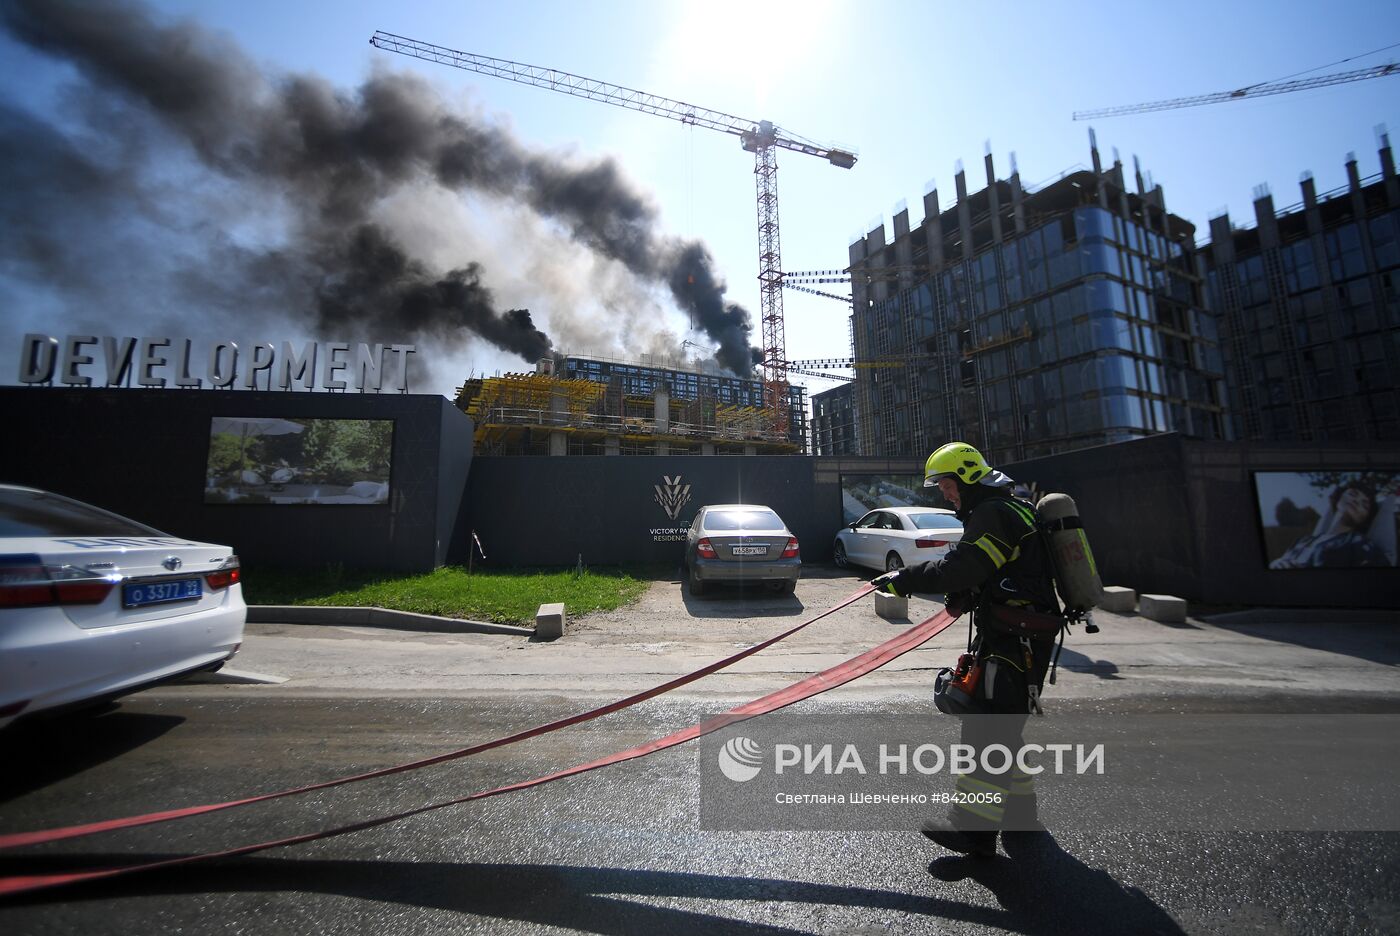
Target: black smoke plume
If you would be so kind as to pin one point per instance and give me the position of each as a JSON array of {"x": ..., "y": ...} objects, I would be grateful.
[{"x": 331, "y": 157}]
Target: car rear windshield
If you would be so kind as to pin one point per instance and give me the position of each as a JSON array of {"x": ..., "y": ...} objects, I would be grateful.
[
  {"x": 742, "y": 520},
  {"x": 34, "y": 513},
  {"x": 932, "y": 521}
]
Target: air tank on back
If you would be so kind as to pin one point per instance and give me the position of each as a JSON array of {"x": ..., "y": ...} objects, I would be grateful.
[{"x": 1076, "y": 573}]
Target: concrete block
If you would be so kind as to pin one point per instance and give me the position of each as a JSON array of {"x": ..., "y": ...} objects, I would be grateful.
[
  {"x": 891, "y": 607},
  {"x": 1167, "y": 609},
  {"x": 1118, "y": 598},
  {"x": 550, "y": 621}
]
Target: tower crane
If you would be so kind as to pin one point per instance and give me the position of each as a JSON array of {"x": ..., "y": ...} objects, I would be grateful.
[
  {"x": 1249, "y": 91},
  {"x": 803, "y": 280},
  {"x": 760, "y": 137}
]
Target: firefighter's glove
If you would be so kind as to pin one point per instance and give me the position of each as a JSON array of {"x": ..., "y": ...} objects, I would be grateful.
[
  {"x": 889, "y": 584},
  {"x": 960, "y": 602}
]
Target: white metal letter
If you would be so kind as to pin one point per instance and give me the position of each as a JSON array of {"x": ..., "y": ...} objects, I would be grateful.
[
  {"x": 36, "y": 358},
  {"x": 151, "y": 358},
  {"x": 368, "y": 371},
  {"x": 331, "y": 365},
  {"x": 117, "y": 351},
  {"x": 217, "y": 376},
  {"x": 299, "y": 367},
  {"x": 259, "y": 360},
  {"x": 183, "y": 377},
  {"x": 73, "y": 356}
]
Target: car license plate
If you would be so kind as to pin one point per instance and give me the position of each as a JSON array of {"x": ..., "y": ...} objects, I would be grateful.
[
  {"x": 149, "y": 593},
  {"x": 750, "y": 550}
]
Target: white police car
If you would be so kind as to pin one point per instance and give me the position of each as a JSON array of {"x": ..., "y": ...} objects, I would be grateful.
[{"x": 93, "y": 605}]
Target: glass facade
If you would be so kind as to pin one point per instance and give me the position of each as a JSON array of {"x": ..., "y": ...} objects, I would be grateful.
[
  {"x": 1310, "y": 300},
  {"x": 833, "y": 422},
  {"x": 1088, "y": 328}
]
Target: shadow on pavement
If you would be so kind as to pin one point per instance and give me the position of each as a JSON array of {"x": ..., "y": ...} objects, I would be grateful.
[
  {"x": 1077, "y": 662},
  {"x": 741, "y": 601},
  {"x": 52, "y": 747},
  {"x": 1046, "y": 890},
  {"x": 1365, "y": 640},
  {"x": 596, "y": 900}
]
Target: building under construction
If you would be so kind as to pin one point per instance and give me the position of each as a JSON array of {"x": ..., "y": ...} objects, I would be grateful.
[
  {"x": 1309, "y": 297},
  {"x": 593, "y": 406},
  {"x": 1034, "y": 321}
]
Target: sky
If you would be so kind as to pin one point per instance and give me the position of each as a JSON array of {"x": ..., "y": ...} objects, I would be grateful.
[{"x": 139, "y": 210}]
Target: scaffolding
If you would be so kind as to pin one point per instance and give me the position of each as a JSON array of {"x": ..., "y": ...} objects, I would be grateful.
[{"x": 541, "y": 414}]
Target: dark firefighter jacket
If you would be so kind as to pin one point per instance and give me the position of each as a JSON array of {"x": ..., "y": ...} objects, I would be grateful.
[{"x": 1001, "y": 554}]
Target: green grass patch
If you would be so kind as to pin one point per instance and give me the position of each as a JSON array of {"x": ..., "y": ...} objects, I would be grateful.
[{"x": 504, "y": 597}]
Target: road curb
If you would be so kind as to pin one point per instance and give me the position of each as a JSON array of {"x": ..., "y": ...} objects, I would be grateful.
[{"x": 377, "y": 617}]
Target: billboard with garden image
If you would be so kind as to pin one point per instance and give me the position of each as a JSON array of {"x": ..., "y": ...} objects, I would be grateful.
[
  {"x": 1328, "y": 519},
  {"x": 275, "y": 460}
]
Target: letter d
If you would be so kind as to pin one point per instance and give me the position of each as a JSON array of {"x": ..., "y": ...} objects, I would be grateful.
[{"x": 36, "y": 359}]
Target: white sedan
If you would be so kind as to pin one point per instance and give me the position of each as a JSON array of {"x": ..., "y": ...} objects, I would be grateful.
[
  {"x": 894, "y": 537},
  {"x": 93, "y": 605}
]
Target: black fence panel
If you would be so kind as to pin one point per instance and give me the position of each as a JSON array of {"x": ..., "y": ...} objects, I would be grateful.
[{"x": 144, "y": 454}]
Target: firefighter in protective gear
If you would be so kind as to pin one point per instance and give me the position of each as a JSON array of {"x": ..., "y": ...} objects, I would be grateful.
[{"x": 1002, "y": 572}]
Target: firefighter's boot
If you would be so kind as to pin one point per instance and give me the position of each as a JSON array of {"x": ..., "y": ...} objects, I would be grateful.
[{"x": 978, "y": 844}]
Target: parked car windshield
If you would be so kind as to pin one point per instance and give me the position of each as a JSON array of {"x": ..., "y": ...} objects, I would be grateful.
[
  {"x": 742, "y": 520},
  {"x": 933, "y": 521},
  {"x": 32, "y": 513}
]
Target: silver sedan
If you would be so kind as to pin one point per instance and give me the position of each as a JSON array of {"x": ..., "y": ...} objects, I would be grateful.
[
  {"x": 894, "y": 537},
  {"x": 741, "y": 543}
]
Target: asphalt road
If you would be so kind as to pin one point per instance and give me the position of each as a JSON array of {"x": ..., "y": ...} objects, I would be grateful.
[{"x": 620, "y": 850}]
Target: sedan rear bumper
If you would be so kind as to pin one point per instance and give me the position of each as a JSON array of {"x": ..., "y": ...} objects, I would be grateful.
[{"x": 735, "y": 570}]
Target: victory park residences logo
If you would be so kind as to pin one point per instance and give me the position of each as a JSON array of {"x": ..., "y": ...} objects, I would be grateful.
[{"x": 672, "y": 495}]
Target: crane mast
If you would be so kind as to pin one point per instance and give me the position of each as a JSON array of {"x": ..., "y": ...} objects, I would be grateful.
[{"x": 760, "y": 137}]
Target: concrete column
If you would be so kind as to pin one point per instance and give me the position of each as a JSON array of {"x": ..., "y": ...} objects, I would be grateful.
[
  {"x": 933, "y": 225},
  {"x": 1222, "y": 245},
  {"x": 612, "y": 445},
  {"x": 994, "y": 198},
  {"x": 903, "y": 248},
  {"x": 1310, "y": 210},
  {"x": 707, "y": 448},
  {"x": 558, "y": 407},
  {"x": 663, "y": 448},
  {"x": 1267, "y": 222},
  {"x": 558, "y": 443},
  {"x": 964, "y": 213},
  {"x": 1392, "y": 185},
  {"x": 1099, "y": 189},
  {"x": 750, "y": 449},
  {"x": 1018, "y": 207},
  {"x": 661, "y": 411}
]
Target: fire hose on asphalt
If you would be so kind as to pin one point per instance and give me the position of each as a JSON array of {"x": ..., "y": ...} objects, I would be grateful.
[{"x": 838, "y": 675}]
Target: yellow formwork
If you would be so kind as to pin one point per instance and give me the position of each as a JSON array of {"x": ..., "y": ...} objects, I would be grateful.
[{"x": 506, "y": 409}]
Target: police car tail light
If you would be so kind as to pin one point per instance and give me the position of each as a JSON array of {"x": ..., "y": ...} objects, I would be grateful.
[
  {"x": 790, "y": 550},
  {"x": 25, "y": 582},
  {"x": 225, "y": 575},
  {"x": 929, "y": 543},
  {"x": 705, "y": 549}
]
